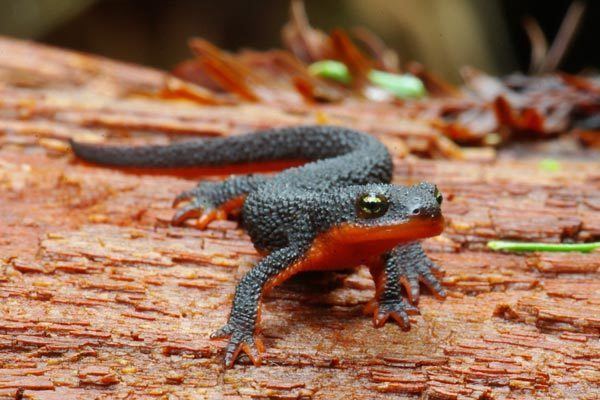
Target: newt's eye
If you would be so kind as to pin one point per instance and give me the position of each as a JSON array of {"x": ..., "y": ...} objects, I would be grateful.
[
  {"x": 438, "y": 196},
  {"x": 371, "y": 205}
]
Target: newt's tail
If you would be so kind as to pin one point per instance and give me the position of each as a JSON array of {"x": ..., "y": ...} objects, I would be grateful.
[{"x": 293, "y": 143}]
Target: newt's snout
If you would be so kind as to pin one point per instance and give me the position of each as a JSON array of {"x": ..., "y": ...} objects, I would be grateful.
[
  {"x": 424, "y": 211},
  {"x": 428, "y": 216}
]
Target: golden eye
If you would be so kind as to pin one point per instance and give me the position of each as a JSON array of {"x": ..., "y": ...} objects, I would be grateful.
[
  {"x": 371, "y": 205},
  {"x": 438, "y": 196}
]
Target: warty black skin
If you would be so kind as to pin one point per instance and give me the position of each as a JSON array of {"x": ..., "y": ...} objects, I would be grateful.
[{"x": 284, "y": 214}]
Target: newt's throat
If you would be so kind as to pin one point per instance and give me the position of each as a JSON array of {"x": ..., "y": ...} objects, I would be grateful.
[
  {"x": 414, "y": 229},
  {"x": 352, "y": 245},
  {"x": 349, "y": 245}
]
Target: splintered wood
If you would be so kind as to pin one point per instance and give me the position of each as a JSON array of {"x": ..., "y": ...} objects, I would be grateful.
[{"x": 101, "y": 298}]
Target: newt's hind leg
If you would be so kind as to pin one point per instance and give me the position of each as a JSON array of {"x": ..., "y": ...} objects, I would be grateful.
[
  {"x": 388, "y": 301},
  {"x": 215, "y": 200},
  {"x": 414, "y": 266}
]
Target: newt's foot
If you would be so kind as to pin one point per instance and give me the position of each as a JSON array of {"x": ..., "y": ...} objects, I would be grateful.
[
  {"x": 397, "y": 309},
  {"x": 240, "y": 340},
  {"x": 199, "y": 205},
  {"x": 423, "y": 271},
  {"x": 414, "y": 267}
]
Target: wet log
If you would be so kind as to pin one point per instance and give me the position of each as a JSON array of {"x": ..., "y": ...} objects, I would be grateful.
[{"x": 101, "y": 298}]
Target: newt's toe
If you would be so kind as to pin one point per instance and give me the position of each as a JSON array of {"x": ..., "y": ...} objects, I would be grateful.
[
  {"x": 224, "y": 331},
  {"x": 397, "y": 310},
  {"x": 401, "y": 318},
  {"x": 240, "y": 341},
  {"x": 191, "y": 210},
  {"x": 425, "y": 272},
  {"x": 210, "y": 215},
  {"x": 196, "y": 208},
  {"x": 182, "y": 197},
  {"x": 434, "y": 285}
]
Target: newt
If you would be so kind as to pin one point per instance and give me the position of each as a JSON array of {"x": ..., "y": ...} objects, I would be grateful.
[{"x": 337, "y": 211}]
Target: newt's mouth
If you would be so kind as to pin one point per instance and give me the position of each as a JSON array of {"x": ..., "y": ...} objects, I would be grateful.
[{"x": 413, "y": 229}]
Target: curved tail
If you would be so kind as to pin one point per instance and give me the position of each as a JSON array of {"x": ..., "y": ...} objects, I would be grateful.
[{"x": 293, "y": 143}]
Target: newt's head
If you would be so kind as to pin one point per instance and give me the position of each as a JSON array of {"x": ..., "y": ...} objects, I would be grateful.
[{"x": 376, "y": 213}]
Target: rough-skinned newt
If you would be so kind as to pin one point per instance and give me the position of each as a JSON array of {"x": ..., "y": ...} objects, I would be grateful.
[{"x": 337, "y": 211}]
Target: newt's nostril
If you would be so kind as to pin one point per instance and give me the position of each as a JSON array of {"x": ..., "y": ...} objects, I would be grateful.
[{"x": 416, "y": 211}]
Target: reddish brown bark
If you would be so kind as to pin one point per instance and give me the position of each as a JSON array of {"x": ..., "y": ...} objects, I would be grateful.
[{"x": 101, "y": 298}]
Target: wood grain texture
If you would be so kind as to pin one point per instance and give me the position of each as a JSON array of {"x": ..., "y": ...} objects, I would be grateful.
[{"x": 101, "y": 298}]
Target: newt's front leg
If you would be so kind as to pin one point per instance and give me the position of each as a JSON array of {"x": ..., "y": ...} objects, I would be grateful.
[
  {"x": 241, "y": 325},
  {"x": 388, "y": 301}
]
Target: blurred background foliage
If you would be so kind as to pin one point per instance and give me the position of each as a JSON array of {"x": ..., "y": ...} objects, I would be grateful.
[{"x": 442, "y": 34}]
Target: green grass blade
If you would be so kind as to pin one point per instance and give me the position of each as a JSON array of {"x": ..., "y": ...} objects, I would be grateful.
[{"x": 533, "y": 246}]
